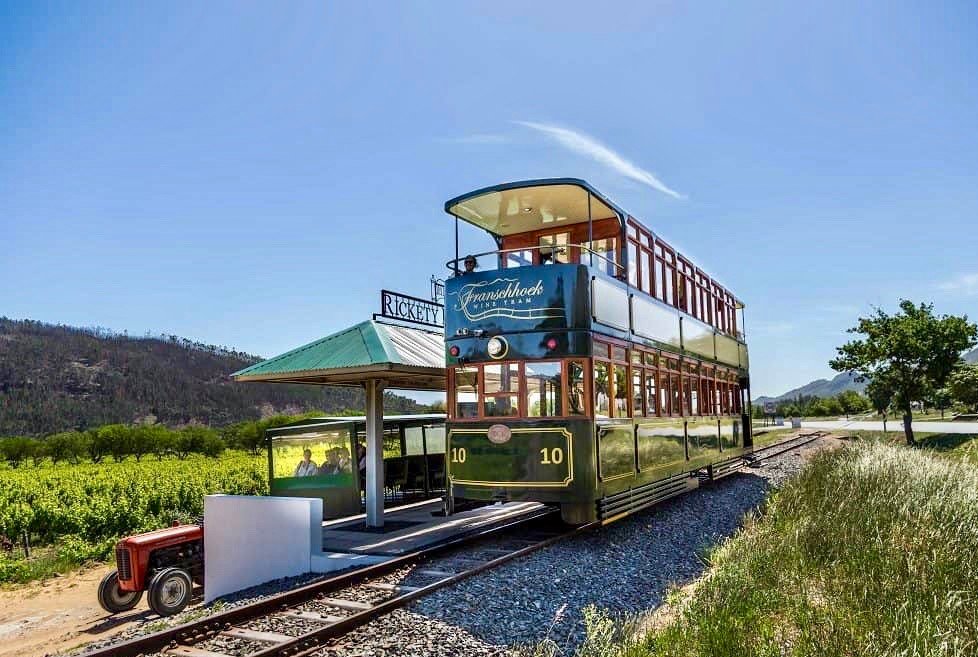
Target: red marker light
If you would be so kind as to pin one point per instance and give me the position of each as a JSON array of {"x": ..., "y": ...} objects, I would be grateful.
[
  {"x": 552, "y": 344},
  {"x": 454, "y": 351}
]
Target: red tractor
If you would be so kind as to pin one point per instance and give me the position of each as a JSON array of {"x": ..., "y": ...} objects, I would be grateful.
[{"x": 166, "y": 563}]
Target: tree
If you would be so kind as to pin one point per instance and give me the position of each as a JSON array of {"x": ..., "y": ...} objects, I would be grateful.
[
  {"x": 117, "y": 440},
  {"x": 880, "y": 396},
  {"x": 852, "y": 402},
  {"x": 16, "y": 450},
  {"x": 941, "y": 399},
  {"x": 963, "y": 386},
  {"x": 913, "y": 351}
]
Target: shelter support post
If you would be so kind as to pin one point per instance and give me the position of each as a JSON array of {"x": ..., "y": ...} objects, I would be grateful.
[{"x": 375, "y": 452}]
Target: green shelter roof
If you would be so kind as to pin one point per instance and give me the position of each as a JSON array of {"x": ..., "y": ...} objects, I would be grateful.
[{"x": 406, "y": 358}]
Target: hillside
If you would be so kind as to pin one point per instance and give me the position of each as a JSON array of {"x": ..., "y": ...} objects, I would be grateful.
[
  {"x": 55, "y": 378},
  {"x": 972, "y": 356},
  {"x": 819, "y": 388}
]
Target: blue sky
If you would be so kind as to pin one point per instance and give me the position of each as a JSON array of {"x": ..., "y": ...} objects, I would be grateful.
[{"x": 251, "y": 174}]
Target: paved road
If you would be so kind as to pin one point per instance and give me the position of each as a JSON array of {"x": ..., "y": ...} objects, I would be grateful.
[{"x": 891, "y": 425}]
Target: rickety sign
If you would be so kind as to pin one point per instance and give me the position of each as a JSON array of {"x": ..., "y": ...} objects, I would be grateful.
[{"x": 405, "y": 308}]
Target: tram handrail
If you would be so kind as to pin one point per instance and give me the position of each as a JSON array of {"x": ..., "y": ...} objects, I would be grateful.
[{"x": 453, "y": 264}]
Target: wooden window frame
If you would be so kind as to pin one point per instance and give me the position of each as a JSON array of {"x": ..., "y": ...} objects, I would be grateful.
[{"x": 523, "y": 411}]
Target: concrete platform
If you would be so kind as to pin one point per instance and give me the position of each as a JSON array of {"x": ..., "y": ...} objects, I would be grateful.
[{"x": 413, "y": 527}]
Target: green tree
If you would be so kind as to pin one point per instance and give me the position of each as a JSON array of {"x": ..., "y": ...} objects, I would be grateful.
[
  {"x": 142, "y": 440},
  {"x": 941, "y": 399},
  {"x": 16, "y": 450},
  {"x": 163, "y": 442},
  {"x": 212, "y": 445},
  {"x": 880, "y": 396},
  {"x": 117, "y": 440},
  {"x": 60, "y": 447},
  {"x": 852, "y": 402},
  {"x": 963, "y": 386},
  {"x": 914, "y": 351}
]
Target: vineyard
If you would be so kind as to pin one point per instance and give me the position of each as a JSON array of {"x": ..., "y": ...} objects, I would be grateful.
[{"x": 74, "y": 513}]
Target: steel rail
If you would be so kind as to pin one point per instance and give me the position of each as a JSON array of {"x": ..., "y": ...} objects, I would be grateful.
[
  {"x": 204, "y": 628},
  {"x": 311, "y": 642},
  {"x": 805, "y": 439}
]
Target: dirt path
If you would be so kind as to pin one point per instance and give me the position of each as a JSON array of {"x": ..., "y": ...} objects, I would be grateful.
[{"x": 60, "y": 614}]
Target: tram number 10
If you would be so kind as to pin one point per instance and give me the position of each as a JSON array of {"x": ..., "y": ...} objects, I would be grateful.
[
  {"x": 552, "y": 456},
  {"x": 548, "y": 456}
]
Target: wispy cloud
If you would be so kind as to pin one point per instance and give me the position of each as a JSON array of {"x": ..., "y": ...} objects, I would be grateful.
[
  {"x": 478, "y": 138},
  {"x": 586, "y": 145},
  {"x": 965, "y": 284}
]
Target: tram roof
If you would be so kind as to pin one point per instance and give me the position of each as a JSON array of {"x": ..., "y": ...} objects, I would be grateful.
[
  {"x": 406, "y": 358},
  {"x": 527, "y": 205}
]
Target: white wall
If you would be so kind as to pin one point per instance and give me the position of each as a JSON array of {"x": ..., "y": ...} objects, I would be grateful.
[{"x": 250, "y": 540}]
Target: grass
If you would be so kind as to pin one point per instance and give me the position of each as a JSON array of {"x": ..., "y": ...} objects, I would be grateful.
[{"x": 868, "y": 551}]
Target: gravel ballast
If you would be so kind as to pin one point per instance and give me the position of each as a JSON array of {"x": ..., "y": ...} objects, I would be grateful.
[{"x": 627, "y": 567}]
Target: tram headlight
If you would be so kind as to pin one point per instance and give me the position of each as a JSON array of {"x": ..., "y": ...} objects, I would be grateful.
[{"x": 497, "y": 347}]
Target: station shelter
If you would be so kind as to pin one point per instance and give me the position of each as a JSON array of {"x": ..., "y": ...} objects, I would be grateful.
[{"x": 377, "y": 356}]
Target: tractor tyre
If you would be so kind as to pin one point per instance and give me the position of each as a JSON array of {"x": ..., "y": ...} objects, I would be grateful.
[
  {"x": 169, "y": 591},
  {"x": 112, "y": 598}
]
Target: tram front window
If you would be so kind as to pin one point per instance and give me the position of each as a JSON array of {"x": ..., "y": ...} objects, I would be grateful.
[
  {"x": 466, "y": 392},
  {"x": 502, "y": 385},
  {"x": 543, "y": 390}
]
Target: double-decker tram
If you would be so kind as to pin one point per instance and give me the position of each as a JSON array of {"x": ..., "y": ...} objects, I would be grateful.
[{"x": 589, "y": 363}]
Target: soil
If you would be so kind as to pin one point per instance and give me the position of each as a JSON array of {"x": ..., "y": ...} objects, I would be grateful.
[{"x": 57, "y": 615}]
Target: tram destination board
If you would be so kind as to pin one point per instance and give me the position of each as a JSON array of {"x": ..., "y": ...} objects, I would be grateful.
[{"x": 413, "y": 310}]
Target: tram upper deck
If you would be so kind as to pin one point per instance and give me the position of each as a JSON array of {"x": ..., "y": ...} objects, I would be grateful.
[{"x": 570, "y": 260}]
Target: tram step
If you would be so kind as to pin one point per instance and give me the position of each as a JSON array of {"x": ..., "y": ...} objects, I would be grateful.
[
  {"x": 393, "y": 588},
  {"x": 256, "y": 636},
  {"x": 352, "y": 605}
]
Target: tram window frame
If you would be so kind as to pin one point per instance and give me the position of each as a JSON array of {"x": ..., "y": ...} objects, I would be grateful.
[
  {"x": 617, "y": 360},
  {"x": 495, "y": 395},
  {"x": 523, "y": 394},
  {"x": 562, "y": 397}
]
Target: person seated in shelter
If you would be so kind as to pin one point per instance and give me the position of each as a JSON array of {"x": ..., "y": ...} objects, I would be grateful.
[
  {"x": 343, "y": 460},
  {"x": 331, "y": 465},
  {"x": 306, "y": 467}
]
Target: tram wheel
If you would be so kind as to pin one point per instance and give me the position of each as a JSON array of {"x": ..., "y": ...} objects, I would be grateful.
[{"x": 170, "y": 591}]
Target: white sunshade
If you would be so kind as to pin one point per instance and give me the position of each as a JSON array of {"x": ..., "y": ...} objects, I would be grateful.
[{"x": 523, "y": 209}]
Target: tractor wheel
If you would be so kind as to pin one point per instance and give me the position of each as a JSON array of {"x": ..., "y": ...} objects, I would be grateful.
[
  {"x": 112, "y": 598},
  {"x": 169, "y": 591}
]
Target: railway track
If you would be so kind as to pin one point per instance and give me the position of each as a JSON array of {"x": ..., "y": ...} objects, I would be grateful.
[
  {"x": 779, "y": 448},
  {"x": 300, "y": 622}
]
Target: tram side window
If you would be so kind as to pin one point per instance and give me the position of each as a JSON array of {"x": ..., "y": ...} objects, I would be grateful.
[
  {"x": 543, "y": 390},
  {"x": 650, "y": 393},
  {"x": 575, "y": 389},
  {"x": 602, "y": 397},
  {"x": 621, "y": 390},
  {"x": 605, "y": 255},
  {"x": 637, "y": 404},
  {"x": 554, "y": 249},
  {"x": 466, "y": 392}
]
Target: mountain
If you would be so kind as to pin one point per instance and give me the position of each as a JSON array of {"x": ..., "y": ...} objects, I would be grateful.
[
  {"x": 56, "y": 378},
  {"x": 819, "y": 388},
  {"x": 972, "y": 356}
]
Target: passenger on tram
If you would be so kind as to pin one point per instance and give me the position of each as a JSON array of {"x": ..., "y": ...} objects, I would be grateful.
[
  {"x": 306, "y": 467},
  {"x": 334, "y": 463},
  {"x": 470, "y": 264}
]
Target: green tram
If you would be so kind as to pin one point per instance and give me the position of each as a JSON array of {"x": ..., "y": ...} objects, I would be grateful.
[{"x": 589, "y": 363}]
